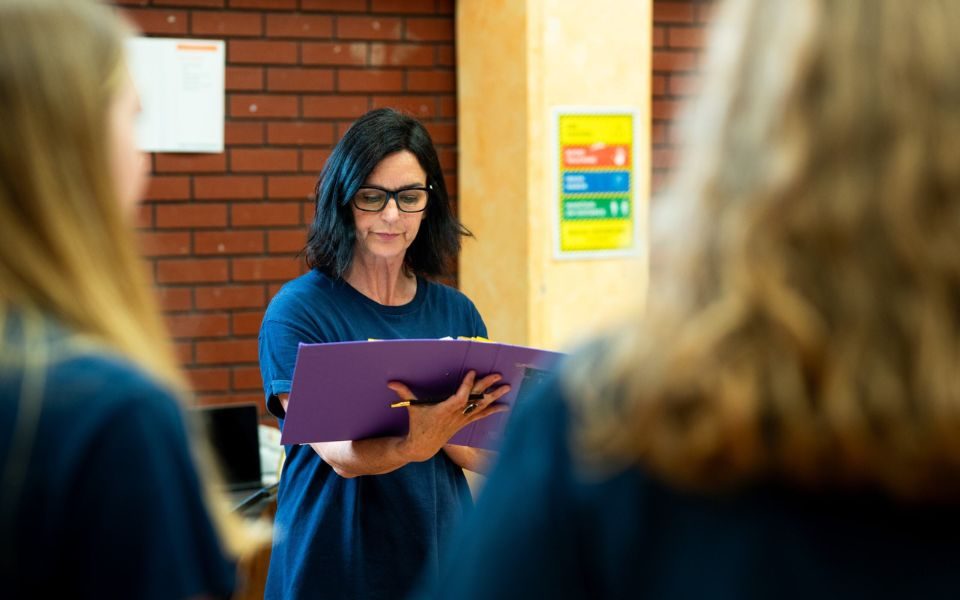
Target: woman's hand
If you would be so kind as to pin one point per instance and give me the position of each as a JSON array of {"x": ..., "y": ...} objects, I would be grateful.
[{"x": 432, "y": 425}]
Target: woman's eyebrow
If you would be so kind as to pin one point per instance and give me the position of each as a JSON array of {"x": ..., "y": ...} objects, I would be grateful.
[{"x": 402, "y": 187}]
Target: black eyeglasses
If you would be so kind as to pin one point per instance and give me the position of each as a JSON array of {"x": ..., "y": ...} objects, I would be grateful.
[{"x": 371, "y": 198}]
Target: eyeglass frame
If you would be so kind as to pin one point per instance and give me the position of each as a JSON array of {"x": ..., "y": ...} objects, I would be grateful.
[{"x": 394, "y": 195}]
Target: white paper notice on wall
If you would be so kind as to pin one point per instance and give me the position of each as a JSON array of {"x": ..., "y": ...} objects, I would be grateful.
[{"x": 181, "y": 85}]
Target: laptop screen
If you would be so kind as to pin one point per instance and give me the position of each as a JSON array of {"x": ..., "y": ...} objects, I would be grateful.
[{"x": 232, "y": 431}]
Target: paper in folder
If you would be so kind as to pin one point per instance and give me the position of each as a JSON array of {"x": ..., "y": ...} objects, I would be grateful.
[{"x": 339, "y": 390}]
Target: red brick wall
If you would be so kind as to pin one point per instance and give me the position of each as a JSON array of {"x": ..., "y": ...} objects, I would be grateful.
[
  {"x": 678, "y": 36},
  {"x": 222, "y": 231}
]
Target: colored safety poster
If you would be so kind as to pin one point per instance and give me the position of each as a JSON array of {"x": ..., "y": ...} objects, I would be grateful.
[{"x": 596, "y": 211}]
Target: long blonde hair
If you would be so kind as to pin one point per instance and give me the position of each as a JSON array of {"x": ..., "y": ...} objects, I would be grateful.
[
  {"x": 804, "y": 318},
  {"x": 66, "y": 249}
]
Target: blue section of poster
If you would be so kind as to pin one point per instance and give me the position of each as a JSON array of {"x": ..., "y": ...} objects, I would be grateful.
[{"x": 596, "y": 183}]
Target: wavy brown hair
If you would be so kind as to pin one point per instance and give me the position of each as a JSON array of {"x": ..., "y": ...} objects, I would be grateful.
[{"x": 804, "y": 315}]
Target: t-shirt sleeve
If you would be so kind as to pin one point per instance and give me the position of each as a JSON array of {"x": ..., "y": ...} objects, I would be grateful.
[
  {"x": 521, "y": 520},
  {"x": 478, "y": 327},
  {"x": 481, "y": 327},
  {"x": 140, "y": 523},
  {"x": 279, "y": 342}
]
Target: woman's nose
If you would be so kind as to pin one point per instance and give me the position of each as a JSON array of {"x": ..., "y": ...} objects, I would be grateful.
[{"x": 391, "y": 211}]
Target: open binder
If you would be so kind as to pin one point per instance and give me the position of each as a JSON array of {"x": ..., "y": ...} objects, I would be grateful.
[{"x": 339, "y": 390}]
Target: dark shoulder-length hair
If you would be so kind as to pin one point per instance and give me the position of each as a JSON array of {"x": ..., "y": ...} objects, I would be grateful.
[{"x": 373, "y": 137}]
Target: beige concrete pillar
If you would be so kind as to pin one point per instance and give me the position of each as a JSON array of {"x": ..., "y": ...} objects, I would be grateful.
[{"x": 517, "y": 61}]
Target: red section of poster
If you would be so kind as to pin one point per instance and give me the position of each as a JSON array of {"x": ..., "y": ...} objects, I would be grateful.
[{"x": 596, "y": 155}]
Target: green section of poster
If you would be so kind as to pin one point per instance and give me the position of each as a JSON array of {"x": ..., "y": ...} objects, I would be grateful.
[{"x": 617, "y": 207}]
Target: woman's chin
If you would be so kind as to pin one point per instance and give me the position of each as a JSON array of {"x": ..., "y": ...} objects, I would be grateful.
[{"x": 393, "y": 250}]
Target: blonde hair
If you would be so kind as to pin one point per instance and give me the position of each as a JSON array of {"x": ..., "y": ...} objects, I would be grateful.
[
  {"x": 804, "y": 318},
  {"x": 66, "y": 248}
]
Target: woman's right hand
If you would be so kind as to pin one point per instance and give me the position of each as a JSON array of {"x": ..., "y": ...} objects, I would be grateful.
[{"x": 432, "y": 425}]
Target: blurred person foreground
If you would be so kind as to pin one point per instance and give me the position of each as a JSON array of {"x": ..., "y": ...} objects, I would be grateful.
[
  {"x": 785, "y": 419},
  {"x": 101, "y": 493}
]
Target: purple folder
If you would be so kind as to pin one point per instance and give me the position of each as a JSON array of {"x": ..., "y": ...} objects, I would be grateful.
[{"x": 340, "y": 389}]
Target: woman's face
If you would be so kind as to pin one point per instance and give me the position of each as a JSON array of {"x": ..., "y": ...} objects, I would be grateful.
[
  {"x": 387, "y": 234},
  {"x": 127, "y": 164}
]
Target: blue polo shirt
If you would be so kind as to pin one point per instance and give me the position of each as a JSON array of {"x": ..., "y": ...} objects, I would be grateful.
[
  {"x": 100, "y": 497},
  {"x": 370, "y": 536}
]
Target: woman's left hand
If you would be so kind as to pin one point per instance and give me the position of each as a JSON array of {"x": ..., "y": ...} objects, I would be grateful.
[{"x": 432, "y": 426}]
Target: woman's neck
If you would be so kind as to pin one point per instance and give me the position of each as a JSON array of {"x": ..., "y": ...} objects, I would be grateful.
[{"x": 385, "y": 282}]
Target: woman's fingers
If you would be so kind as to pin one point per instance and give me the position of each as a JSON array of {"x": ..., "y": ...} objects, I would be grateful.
[
  {"x": 478, "y": 407},
  {"x": 488, "y": 411},
  {"x": 484, "y": 384},
  {"x": 461, "y": 402},
  {"x": 499, "y": 392},
  {"x": 468, "y": 384},
  {"x": 401, "y": 390}
]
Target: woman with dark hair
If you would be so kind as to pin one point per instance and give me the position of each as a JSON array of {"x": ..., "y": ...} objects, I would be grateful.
[{"x": 364, "y": 518}]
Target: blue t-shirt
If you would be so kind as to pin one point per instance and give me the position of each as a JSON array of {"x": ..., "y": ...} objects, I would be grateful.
[
  {"x": 544, "y": 527},
  {"x": 100, "y": 496},
  {"x": 371, "y": 536}
]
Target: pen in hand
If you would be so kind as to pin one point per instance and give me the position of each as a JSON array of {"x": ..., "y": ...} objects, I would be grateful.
[{"x": 429, "y": 400}]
